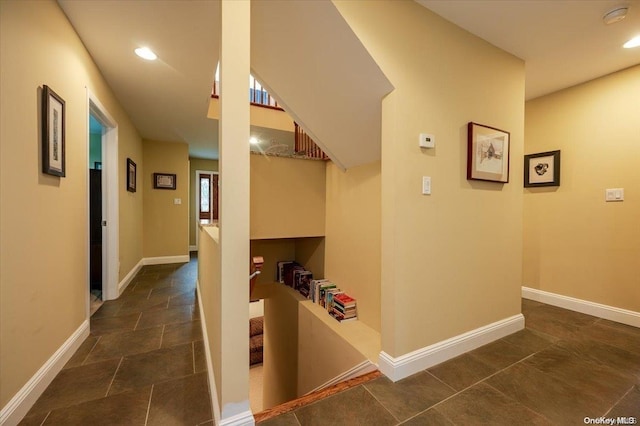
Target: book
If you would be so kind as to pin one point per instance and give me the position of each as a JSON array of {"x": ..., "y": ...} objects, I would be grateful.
[
  {"x": 345, "y": 300},
  {"x": 329, "y": 295},
  {"x": 280, "y": 270},
  {"x": 288, "y": 271},
  {"x": 323, "y": 292},
  {"x": 302, "y": 282},
  {"x": 315, "y": 288}
]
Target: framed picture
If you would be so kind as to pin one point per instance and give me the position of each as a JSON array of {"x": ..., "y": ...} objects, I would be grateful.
[
  {"x": 487, "y": 153},
  {"x": 164, "y": 181},
  {"x": 53, "y": 133},
  {"x": 131, "y": 175},
  {"x": 542, "y": 169}
]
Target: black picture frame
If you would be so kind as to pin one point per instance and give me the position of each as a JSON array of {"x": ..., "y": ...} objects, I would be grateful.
[
  {"x": 542, "y": 169},
  {"x": 164, "y": 181},
  {"x": 131, "y": 175},
  {"x": 488, "y": 152},
  {"x": 53, "y": 133}
]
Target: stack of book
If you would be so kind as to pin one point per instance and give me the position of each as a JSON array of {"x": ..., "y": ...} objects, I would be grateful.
[
  {"x": 343, "y": 307},
  {"x": 338, "y": 304}
]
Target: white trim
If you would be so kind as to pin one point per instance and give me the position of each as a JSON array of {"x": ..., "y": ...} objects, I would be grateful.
[
  {"x": 194, "y": 248},
  {"x": 363, "y": 368},
  {"x": 611, "y": 313},
  {"x": 163, "y": 260},
  {"x": 127, "y": 280},
  {"x": 237, "y": 414},
  {"x": 207, "y": 351},
  {"x": 12, "y": 413},
  {"x": 405, "y": 365}
]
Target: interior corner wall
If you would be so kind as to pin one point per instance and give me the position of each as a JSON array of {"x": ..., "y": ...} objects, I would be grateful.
[
  {"x": 194, "y": 165},
  {"x": 166, "y": 224},
  {"x": 451, "y": 262},
  {"x": 575, "y": 243},
  {"x": 43, "y": 218},
  {"x": 352, "y": 254}
]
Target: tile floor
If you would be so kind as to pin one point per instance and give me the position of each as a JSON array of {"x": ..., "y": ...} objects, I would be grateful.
[
  {"x": 143, "y": 363},
  {"x": 564, "y": 366}
]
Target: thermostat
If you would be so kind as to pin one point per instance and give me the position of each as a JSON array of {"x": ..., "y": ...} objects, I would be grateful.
[{"x": 427, "y": 140}]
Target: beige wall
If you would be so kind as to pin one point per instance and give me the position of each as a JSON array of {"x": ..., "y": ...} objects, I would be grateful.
[
  {"x": 43, "y": 219},
  {"x": 196, "y": 164},
  {"x": 576, "y": 244},
  {"x": 260, "y": 116},
  {"x": 451, "y": 261},
  {"x": 353, "y": 226},
  {"x": 166, "y": 226},
  {"x": 287, "y": 197},
  {"x": 210, "y": 294}
]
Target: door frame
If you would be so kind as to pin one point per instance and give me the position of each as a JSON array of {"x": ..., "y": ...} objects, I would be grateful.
[
  {"x": 196, "y": 215},
  {"x": 110, "y": 198}
]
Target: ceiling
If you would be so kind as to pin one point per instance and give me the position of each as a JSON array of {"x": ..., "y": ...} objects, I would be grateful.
[{"x": 563, "y": 43}]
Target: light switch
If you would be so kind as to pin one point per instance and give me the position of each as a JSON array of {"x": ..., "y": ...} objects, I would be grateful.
[
  {"x": 177, "y": 201},
  {"x": 427, "y": 141},
  {"x": 426, "y": 185},
  {"x": 614, "y": 194}
]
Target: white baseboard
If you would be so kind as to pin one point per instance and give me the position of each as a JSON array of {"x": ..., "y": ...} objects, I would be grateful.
[
  {"x": 193, "y": 248},
  {"x": 127, "y": 280},
  {"x": 163, "y": 260},
  {"x": 396, "y": 368},
  {"x": 237, "y": 414},
  {"x": 12, "y": 413},
  {"x": 207, "y": 351},
  {"x": 363, "y": 368},
  {"x": 611, "y": 313}
]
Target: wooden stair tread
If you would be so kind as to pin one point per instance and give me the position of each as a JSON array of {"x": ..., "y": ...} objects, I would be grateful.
[{"x": 314, "y": 396}]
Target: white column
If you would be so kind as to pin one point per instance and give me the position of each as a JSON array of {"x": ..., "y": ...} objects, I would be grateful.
[{"x": 234, "y": 211}]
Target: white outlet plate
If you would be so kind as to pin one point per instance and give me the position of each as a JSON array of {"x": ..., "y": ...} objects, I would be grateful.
[
  {"x": 177, "y": 201},
  {"x": 427, "y": 140}
]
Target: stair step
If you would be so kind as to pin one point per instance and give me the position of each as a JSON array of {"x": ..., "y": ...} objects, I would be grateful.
[{"x": 314, "y": 396}]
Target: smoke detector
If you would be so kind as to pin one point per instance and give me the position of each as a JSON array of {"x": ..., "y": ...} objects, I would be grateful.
[{"x": 616, "y": 14}]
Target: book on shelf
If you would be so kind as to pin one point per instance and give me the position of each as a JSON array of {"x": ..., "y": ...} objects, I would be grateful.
[
  {"x": 289, "y": 271},
  {"x": 280, "y": 270},
  {"x": 302, "y": 282},
  {"x": 329, "y": 295},
  {"x": 322, "y": 292},
  {"x": 315, "y": 288}
]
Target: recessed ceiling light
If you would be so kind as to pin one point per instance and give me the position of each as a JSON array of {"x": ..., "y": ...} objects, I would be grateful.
[
  {"x": 146, "y": 53},
  {"x": 634, "y": 42},
  {"x": 615, "y": 15},
  {"x": 253, "y": 140}
]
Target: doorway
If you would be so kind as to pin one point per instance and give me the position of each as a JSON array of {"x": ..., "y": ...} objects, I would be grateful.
[
  {"x": 95, "y": 213},
  {"x": 103, "y": 241},
  {"x": 207, "y": 199}
]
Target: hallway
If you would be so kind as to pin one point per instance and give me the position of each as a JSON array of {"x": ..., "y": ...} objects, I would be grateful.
[{"x": 143, "y": 363}]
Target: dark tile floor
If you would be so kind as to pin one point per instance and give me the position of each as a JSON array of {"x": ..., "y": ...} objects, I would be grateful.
[
  {"x": 564, "y": 366},
  {"x": 143, "y": 363}
]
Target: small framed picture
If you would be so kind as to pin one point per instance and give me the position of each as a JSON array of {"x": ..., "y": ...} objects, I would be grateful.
[
  {"x": 164, "y": 181},
  {"x": 131, "y": 175},
  {"x": 487, "y": 153},
  {"x": 542, "y": 169},
  {"x": 53, "y": 133}
]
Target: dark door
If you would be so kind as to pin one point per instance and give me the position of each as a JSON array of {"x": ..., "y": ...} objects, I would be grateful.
[{"x": 95, "y": 229}]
